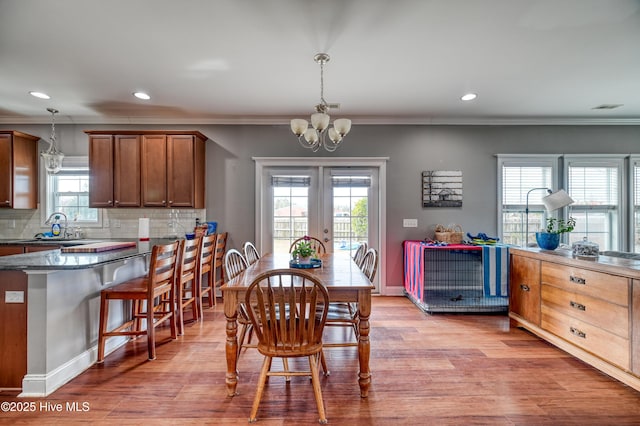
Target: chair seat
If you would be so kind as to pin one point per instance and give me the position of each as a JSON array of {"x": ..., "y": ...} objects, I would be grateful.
[{"x": 133, "y": 285}]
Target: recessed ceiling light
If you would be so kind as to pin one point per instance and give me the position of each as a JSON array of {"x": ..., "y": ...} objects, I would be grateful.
[
  {"x": 469, "y": 97},
  {"x": 40, "y": 95},
  {"x": 142, "y": 95}
]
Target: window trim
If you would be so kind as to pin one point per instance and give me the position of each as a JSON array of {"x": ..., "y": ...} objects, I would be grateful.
[
  {"x": 524, "y": 160},
  {"x": 607, "y": 160},
  {"x": 46, "y": 196}
]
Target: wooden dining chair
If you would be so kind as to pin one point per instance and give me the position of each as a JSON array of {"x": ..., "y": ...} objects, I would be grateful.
[
  {"x": 288, "y": 310},
  {"x": 359, "y": 254},
  {"x": 316, "y": 244},
  {"x": 206, "y": 269},
  {"x": 251, "y": 253},
  {"x": 234, "y": 264},
  {"x": 157, "y": 290},
  {"x": 346, "y": 314},
  {"x": 370, "y": 263},
  {"x": 187, "y": 281}
]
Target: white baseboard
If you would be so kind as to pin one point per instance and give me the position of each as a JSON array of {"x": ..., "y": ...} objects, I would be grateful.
[{"x": 39, "y": 385}]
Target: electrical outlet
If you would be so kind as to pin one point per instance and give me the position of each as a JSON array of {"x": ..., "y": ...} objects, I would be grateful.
[
  {"x": 409, "y": 223},
  {"x": 14, "y": 296}
]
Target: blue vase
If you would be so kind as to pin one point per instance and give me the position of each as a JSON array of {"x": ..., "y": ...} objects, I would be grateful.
[{"x": 547, "y": 241}]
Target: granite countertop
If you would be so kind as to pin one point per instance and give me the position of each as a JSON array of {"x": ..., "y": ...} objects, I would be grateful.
[{"x": 55, "y": 260}]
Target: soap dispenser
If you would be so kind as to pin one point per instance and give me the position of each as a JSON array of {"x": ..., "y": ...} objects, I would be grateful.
[{"x": 55, "y": 226}]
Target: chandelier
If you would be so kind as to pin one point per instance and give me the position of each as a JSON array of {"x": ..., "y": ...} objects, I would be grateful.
[
  {"x": 52, "y": 157},
  {"x": 316, "y": 136}
]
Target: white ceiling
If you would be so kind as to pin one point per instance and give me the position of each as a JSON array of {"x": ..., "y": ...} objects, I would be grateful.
[{"x": 251, "y": 61}]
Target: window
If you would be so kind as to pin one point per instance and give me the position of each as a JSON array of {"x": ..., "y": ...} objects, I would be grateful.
[
  {"x": 635, "y": 214},
  {"x": 68, "y": 192},
  {"x": 350, "y": 209},
  {"x": 290, "y": 210},
  {"x": 522, "y": 181},
  {"x": 595, "y": 184}
]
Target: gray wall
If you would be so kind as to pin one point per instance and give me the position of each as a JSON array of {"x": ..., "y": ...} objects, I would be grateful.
[{"x": 411, "y": 149}]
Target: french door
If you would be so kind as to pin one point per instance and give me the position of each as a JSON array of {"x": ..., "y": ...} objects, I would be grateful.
[{"x": 338, "y": 204}]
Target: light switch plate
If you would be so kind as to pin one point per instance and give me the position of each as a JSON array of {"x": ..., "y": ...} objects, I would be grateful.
[
  {"x": 409, "y": 223},
  {"x": 14, "y": 297}
]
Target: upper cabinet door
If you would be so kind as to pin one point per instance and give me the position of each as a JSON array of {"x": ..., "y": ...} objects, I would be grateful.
[
  {"x": 18, "y": 170},
  {"x": 154, "y": 171},
  {"x": 6, "y": 174},
  {"x": 101, "y": 171},
  {"x": 126, "y": 179},
  {"x": 183, "y": 171}
]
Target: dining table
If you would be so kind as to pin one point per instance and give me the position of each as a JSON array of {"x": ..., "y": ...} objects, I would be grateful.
[{"x": 344, "y": 281}]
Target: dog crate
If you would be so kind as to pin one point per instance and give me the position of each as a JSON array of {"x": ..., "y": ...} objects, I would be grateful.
[{"x": 456, "y": 278}]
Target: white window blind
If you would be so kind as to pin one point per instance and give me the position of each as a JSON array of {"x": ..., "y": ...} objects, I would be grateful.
[
  {"x": 596, "y": 188},
  {"x": 518, "y": 176}
]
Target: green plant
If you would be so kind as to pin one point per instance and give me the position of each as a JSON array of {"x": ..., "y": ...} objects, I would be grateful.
[
  {"x": 303, "y": 248},
  {"x": 559, "y": 226}
]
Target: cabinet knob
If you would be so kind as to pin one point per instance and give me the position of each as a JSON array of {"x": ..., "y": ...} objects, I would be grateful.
[
  {"x": 525, "y": 287},
  {"x": 109, "y": 202},
  {"x": 117, "y": 202},
  {"x": 7, "y": 202}
]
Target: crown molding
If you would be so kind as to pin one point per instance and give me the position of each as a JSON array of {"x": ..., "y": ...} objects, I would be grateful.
[{"x": 279, "y": 121}]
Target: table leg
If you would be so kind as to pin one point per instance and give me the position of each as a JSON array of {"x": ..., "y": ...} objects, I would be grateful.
[
  {"x": 231, "y": 347},
  {"x": 364, "y": 346}
]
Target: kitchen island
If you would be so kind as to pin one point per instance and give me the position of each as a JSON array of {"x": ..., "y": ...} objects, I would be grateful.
[{"x": 50, "y": 311}]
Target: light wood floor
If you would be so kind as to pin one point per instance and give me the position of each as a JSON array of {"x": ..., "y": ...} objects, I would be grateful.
[{"x": 427, "y": 370}]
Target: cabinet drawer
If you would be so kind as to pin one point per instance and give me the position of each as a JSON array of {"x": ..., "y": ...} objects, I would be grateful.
[
  {"x": 601, "y": 343},
  {"x": 612, "y": 288},
  {"x": 608, "y": 316}
]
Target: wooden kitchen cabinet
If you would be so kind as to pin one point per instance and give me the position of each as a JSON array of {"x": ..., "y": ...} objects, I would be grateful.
[
  {"x": 9, "y": 250},
  {"x": 18, "y": 170},
  {"x": 171, "y": 169},
  {"x": 114, "y": 170},
  {"x": 13, "y": 331},
  {"x": 590, "y": 309},
  {"x": 524, "y": 288}
]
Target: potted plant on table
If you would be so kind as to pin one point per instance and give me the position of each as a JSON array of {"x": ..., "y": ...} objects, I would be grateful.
[
  {"x": 549, "y": 237},
  {"x": 303, "y": 251}
]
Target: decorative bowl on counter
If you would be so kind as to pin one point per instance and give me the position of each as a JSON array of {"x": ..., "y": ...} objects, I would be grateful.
[{"x": 585, "y": 249}]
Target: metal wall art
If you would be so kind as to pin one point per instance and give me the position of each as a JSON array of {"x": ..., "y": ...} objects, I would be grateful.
[{"x": 442, "y": 188}]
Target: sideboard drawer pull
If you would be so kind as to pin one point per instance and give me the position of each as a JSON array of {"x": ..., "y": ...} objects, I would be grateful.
[
  {"x": 578, "y": 306},
  {"x": 577, "y": 280},
  {"x": 524, "y": 287},
  {"x": 578, "y": 333}
]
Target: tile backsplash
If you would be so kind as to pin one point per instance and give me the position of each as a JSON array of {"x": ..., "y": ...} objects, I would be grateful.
[{"x": 116, "y": 223}]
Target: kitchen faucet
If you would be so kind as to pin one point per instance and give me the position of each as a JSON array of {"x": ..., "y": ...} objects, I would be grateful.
[{"x": 65, "y": 227}]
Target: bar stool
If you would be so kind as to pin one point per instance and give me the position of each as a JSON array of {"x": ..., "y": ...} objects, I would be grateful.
[
  {"x": 187, "y": 281},
  {"x": 206, "y": 268},
  {"x": 218, "y": 262},
  {"x": 157, "y": 289}
]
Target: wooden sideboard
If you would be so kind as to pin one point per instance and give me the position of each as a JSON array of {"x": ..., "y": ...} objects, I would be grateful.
[{"x": 590, "y": 309}]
